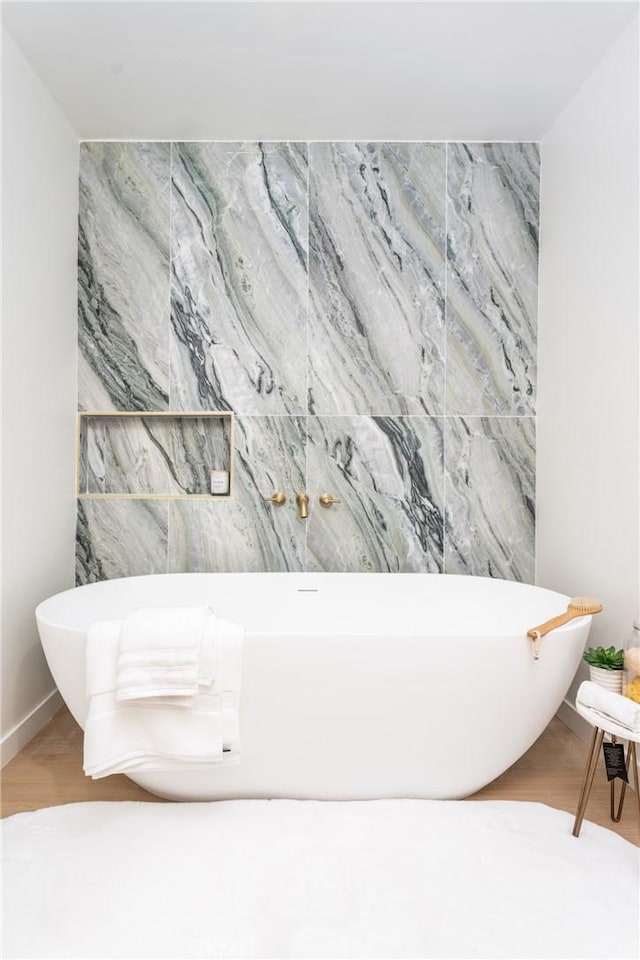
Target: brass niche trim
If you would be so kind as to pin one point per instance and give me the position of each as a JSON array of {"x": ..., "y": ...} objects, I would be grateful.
[{"x": 84, "y": 416}]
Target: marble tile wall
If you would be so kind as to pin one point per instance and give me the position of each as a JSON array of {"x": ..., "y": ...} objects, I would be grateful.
[{"x": 366, "y": 310}]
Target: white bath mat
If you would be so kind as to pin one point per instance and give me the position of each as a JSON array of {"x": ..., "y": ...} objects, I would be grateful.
[{"x": 286, "y": 878}]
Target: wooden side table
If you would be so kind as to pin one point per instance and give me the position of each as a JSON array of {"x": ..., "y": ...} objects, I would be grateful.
[{"x": 600, "y": 727}]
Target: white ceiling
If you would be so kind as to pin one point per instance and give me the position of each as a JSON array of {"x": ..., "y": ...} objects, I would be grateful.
[{"x": 283, "y": 70}]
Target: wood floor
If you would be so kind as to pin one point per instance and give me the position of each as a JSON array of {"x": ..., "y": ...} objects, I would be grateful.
[{"x": 48, "y": 772}]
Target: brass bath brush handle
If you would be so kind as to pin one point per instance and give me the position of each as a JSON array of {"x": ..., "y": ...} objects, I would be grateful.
[{"x": 578, "y": 607}]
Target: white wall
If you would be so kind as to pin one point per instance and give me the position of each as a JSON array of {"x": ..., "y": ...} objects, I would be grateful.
[
  {"x": 588, "y": 416},
  {"x": 39, "y": 179}
]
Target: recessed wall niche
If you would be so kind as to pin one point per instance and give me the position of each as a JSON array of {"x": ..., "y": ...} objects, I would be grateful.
[{"x": 153, "y": 455}]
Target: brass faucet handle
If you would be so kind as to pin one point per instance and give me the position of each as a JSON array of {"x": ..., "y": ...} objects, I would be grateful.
[
  {"x": 327, "y": 500},
  {"x": 278, "y": 498}
]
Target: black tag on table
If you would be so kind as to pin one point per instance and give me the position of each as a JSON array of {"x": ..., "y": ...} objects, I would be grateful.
[{"x": 614, "y": 761}]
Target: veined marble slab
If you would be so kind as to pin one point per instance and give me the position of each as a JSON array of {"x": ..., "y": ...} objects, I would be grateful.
[
  {"x": 376, "y": 274},
  {"x": 388, "y": 474},
  {"x": 123, "y": 276},
  {"x": 239, "y": 277},
  {"x": 247, "y": 533},
  {"x": 380, "y": 368},
  {"x": 492, "y": 276},
  {"x": 120, "y": 538},
  {"x": 490, "y": 497},
  {"x": 153, "y": 455}
]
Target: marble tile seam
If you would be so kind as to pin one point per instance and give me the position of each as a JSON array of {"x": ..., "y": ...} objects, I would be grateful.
[
  {"x": 444, "y": 350},
  {"x": 298, "y": 140},
  {"x": 169, "y": 324},
  {"x": 351, "y": 416},
  {"x": 399, "y": 416}
]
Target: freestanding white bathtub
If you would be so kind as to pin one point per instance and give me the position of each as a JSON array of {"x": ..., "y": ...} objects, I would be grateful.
[{"x": 355, "y": 686}]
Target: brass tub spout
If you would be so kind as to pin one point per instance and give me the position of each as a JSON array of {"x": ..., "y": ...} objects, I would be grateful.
[{"x": 302, "y": 499}]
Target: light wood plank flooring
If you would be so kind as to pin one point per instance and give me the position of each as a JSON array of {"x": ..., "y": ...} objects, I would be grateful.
[{"x": 48, "y": 772}]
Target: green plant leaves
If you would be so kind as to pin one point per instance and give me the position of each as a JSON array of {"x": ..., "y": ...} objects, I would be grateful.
[{"x": 607, "y": 659}]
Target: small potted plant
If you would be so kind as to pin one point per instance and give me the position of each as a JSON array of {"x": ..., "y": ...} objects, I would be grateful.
[{"x": 606, "y": 667}]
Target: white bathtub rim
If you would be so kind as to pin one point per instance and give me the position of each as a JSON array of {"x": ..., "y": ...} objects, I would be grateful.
[{"x": 51, "y": 611}]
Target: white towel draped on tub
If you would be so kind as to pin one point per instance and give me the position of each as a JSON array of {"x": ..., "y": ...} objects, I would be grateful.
[
  {"x": 166, "y": 652},
  {"x": 161, "y": 730}
]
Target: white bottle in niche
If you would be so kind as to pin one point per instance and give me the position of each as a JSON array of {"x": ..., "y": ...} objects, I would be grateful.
[{"x": 219, "y": 482}]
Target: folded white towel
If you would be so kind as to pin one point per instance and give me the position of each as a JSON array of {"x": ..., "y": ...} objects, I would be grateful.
[
  {"x": 611, "y": 706},
  {"x": 165, "y": 652},
  {"x": 165, "y": 657},
  {"x": 151, "y": 734},
  {"x": 153, "y": 628},
  {"x": 139, "y": 683}
]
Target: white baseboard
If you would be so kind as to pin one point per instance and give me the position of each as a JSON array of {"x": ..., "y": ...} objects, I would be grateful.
[
  {"x": 569, "y": 715},
  {"x": 26, "y": 730}
]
